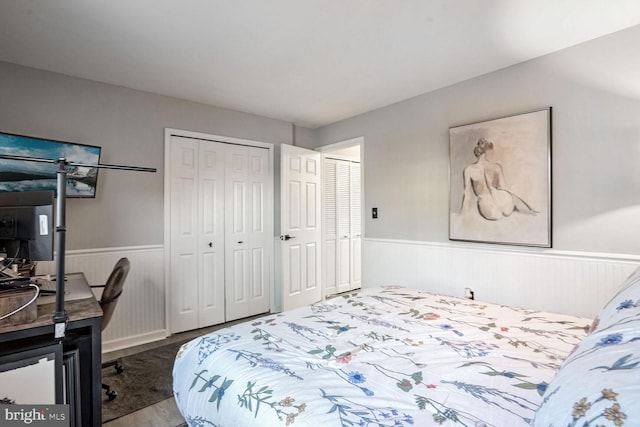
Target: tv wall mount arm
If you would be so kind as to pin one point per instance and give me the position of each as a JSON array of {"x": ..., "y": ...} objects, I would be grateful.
[{"x": 60, "y": 315}]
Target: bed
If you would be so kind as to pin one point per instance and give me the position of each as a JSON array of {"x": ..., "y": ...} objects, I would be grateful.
[{"x": 387, "y": 356}]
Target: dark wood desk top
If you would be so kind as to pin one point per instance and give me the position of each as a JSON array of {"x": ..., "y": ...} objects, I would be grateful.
[{"x": 77, "y": 309}]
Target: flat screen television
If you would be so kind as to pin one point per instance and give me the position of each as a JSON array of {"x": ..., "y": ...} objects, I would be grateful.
[
  {"x": 22, "y": 175},
  {"x": 26, "y": 225}
]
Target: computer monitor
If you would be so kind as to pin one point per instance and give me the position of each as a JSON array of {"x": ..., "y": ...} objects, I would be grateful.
[{"x": 26, "y": 225}]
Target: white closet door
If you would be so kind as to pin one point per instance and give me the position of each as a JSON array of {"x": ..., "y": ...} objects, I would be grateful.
[
  {"x": 211, "y": 244},
  {"x": 343, "y": 211},
  {"x": 247, "y": 255},
  {"x": 197, "y": 234},
  {"x": 260, "y": 231},
  {"x": 183, "y": 304},
  {"x": 220, "y": 218},
  {"x": 330, "y": 227},
  {"x": 356, "y": 226},
  {"x": 342, "y": 233}
]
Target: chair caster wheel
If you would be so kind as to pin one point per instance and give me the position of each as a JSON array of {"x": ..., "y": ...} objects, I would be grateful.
[
  {"x": 112, "y": 394},
  {"x": 118, "y": 367}
]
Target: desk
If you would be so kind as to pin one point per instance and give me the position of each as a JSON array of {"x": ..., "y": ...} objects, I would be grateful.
[{"x": 83, "y": 339}]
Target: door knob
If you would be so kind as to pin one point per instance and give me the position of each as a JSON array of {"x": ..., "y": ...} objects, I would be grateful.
[{"x": 287, "y": 237}]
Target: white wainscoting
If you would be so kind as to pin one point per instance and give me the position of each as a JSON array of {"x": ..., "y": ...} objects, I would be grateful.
[
  {"x": 140, "y": 314},
  {"x": 544, "y": 279}
]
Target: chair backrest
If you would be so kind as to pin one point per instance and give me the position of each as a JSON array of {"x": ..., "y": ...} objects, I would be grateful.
[{"x": 113, "y": 289}]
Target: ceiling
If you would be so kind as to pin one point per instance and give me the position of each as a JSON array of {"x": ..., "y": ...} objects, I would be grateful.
[{"x": 308, "y": 62}]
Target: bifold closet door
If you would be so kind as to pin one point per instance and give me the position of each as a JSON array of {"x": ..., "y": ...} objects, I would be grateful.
[
  {"x": 355, "y": 199},
  {"x": 197, "y": 234},
  {"x": 247, "y": 261},
  {"x": 342, "y": 226},
  {"x": 330, "y": 227},
  {"x": 221, "y": 232}
]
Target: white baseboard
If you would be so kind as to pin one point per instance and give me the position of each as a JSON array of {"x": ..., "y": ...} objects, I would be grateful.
[{"x": 126, "y": 342}]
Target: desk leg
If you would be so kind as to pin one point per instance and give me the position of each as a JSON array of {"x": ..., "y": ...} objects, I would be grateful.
[{"x": 96, "y": 376}]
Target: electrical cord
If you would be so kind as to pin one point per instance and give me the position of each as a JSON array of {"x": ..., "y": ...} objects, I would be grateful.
[{"x": 26, "y": 305}]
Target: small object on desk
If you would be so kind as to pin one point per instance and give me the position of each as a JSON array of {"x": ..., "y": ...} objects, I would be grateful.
[
  {"x": 75, "y": 288},
  {"x": 46, "y": 285},
  {"x": 48, "y": 277}
]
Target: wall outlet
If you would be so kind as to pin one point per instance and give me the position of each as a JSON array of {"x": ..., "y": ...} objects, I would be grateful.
[{"x": 469, "y": 294}]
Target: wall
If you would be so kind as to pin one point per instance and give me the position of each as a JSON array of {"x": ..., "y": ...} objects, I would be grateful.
[
  {"x": 129, "y": 126},
  {"x": 593, "y": 89},
  {"x": 595, "y": 94},
  {"x": 126, "y": 217}
]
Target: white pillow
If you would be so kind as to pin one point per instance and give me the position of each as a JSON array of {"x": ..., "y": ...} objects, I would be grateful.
[{"x": 599, "y": 383}]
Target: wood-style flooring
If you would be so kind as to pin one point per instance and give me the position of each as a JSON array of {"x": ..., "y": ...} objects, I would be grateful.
[{"x": 164, "y": 413}]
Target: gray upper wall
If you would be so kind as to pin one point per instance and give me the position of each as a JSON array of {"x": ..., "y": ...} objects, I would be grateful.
[
  {"x": 129, "y": 126},
  {"x": 594, "y": 90}
]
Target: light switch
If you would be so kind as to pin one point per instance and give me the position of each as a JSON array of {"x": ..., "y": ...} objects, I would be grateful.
[{"x": 374, "y": 213}]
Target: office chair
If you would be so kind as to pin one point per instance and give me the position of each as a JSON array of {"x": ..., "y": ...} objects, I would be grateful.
[{"x": 108, "y": 301}]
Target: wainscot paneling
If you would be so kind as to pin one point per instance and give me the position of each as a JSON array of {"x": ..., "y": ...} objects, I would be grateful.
[
  {"x": 140, "y": 314},
  {"x": 563, "y": 282}
]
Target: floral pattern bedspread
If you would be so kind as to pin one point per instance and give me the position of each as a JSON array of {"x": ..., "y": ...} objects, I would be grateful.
[{"x": 387, "y": 356}]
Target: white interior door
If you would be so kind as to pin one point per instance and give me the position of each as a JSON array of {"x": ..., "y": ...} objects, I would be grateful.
[
  {"x": 183, "y": 304},
  {"x": 300, "y": 244},
  {"x": 247, "y": 237},
  {"x": 197, "y": 247},
  {"x": 343, "y": 213},
  {"x": 329, "y": 227},
  {"x": 211, "y": 244},
  {"x": 356, "y": 226}
]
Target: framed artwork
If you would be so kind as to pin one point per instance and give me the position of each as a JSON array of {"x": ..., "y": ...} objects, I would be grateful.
[
  {"x": 22, "y": 175},
  {"x": 500, "y": 180}
]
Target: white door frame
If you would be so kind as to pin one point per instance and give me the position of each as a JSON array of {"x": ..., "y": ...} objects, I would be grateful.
[
  {"x": 325, "y": 150},
  {"x": 168, "y": 133}
]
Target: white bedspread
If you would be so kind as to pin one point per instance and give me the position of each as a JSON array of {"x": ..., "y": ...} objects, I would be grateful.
[{"x": 380, "y": 357}]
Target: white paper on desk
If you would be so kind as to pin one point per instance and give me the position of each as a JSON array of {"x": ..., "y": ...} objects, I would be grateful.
[{"x": 44, "y": 225}]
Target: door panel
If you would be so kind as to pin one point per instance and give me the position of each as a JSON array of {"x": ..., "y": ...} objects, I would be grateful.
[
  {"x": 260, "y": 235},
  {"x": 186, "y": 273},
  {"x": 211, "y": 227},
  {"x": 356, "y": 226},
  {"x": 330, "y": 227},
  {"x": 183, "y": 310},
  {"x": 247, "y": 286},
  {"x": 300, "y": 214},
  {"x": 258, "y": 273}
]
